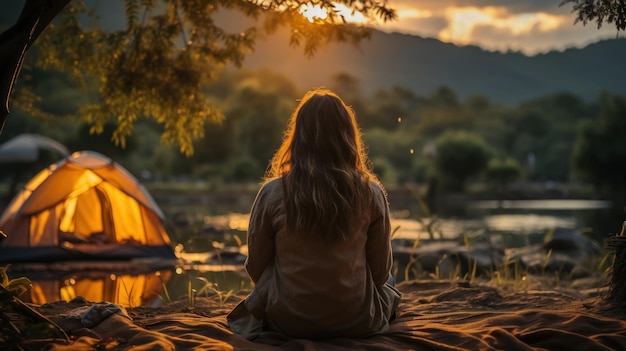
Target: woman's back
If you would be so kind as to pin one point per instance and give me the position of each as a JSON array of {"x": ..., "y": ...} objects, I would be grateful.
[
  {"x": 323, "y": 288},
  {"x": 319, "y": 246}
]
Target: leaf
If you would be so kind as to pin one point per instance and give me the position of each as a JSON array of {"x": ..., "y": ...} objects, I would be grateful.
[
  {"x": 18, "y": 285},
  {"x": 132, "y": 17}
]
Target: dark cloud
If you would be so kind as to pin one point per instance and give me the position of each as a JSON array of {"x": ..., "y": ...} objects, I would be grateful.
[
  {"x": 500, "y": 34},
  {"x": 425, "y": 27},
  {"x": 536, "y": 40},
  {"x": 513, "y": 6}
]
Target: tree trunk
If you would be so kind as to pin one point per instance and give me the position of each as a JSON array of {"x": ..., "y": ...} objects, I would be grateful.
[{"x": 14, "y": 42}]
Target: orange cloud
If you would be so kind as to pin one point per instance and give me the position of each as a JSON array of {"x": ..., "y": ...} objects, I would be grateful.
[{"x": 463, "y": 20}]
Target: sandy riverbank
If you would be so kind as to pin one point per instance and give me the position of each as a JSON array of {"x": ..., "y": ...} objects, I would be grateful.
[{"x": 434, "y": 315}]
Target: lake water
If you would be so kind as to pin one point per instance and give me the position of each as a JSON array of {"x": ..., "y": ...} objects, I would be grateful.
[{"x": 518, "y": 223}]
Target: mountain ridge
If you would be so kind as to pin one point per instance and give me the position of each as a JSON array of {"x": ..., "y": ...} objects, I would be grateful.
[{"x": 425, "y": 64}]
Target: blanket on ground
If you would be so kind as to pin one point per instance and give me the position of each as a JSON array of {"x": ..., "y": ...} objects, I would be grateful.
[{"x": 434, "y": 315}]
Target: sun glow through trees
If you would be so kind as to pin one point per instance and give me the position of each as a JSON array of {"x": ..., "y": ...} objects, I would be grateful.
[
  {"x": 312, "y": 12},
  {"x": 316, "y": 12}
]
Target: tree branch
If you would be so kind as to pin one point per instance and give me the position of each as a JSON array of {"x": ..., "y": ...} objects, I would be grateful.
[{"x": 15, "y": 41}]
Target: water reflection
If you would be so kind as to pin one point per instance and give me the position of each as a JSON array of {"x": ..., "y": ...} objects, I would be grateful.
[
  {"x": 557, "y": 204},
  {"x": 521, "y": 223},
  {"x": 518, "y": 222},
  {"x": 152, "y": 288},
  {"x": 235, "y": 221},
  {"x": 124, "y": 289}
]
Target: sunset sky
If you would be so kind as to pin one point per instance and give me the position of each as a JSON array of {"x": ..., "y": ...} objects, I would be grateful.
[{"x": 530, "y": 26}]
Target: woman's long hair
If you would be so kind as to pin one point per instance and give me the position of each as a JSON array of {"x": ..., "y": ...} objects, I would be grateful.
[{"x": 324, "y": 167}]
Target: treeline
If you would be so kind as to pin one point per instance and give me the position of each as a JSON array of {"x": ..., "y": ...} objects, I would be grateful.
[{"x": 437, "y": 139}]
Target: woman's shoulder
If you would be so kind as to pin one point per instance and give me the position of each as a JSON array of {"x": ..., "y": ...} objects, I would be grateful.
[
  {"x": 269, "y": 193},
  {"x": 377, "y": 188},
  {"x": 379, "y": 196},
  {"x": 271, "y": 186}
]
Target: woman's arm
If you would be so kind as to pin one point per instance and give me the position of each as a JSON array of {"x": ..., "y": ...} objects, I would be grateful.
[
  {"x": 378, "y": 247},
  {"x": 261, "y": 236}
]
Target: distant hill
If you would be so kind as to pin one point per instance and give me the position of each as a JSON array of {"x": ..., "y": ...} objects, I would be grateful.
[{"x": 424, "y": 65}]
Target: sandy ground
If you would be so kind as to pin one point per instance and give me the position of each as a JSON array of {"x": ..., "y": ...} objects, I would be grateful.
[{"x": 433, "y": 315}]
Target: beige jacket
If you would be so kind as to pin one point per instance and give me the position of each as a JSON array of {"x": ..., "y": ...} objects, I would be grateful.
[{"x": 309, "y": 289}]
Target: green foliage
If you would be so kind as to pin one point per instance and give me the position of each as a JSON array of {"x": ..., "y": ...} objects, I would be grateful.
[
  {"x": 165, "y": 298},
  {"x": 170, "y": 51},
  {"x": 459, "y": 156},
  {"x": 503, "y": 170},
  {"x": 22, "y": 327},
  {"x": 546, "y": 128},
  {"x": 15, "y": 286},
  {"x": 511, "y": 275},
  {"x": 312, "y": 35},
  {"x": 391, "y": 109},
  {"x": 600, "y": 11},
  {"x": 394, "y": 153},
  {"x": 245, "y": 169},
  {"x": 600, "y": 149},
  {"x": 212, "y": 289},
  {"x": 260, "y": 121},
  {"x": 384, "y": 170},
  {"x": 257, "y": 105},
  {"x": 444, "y": 97},
  {"x": 101, "y": 142}
]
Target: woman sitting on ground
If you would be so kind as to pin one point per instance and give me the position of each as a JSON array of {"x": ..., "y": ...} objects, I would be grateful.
[{"x": 319, "y": 249}]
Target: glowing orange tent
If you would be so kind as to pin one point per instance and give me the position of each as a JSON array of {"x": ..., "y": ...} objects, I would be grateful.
[{"x": 84, "y": 207}]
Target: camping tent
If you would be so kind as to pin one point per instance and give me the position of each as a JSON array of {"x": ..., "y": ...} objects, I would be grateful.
[
  {"x": 84, "y": 207},
  {"x": 27, "y": 147}
]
